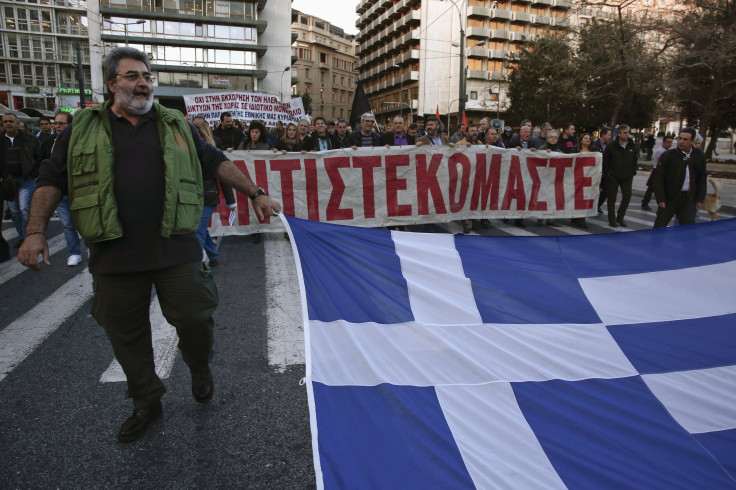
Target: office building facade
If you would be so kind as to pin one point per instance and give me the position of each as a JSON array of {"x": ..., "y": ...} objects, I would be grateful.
[{"x": 194, "y": 46}]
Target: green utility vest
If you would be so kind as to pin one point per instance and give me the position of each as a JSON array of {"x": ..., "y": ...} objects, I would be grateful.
[{"x": 90, "y": 173}]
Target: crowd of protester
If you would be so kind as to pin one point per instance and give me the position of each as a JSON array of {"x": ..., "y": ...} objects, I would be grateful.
[
  {"x": 620, "y": 157},
  {"x": 321, "y": 134}
]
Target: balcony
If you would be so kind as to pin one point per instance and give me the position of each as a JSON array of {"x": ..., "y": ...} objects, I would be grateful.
[
  {"x": 496, "y": 76},
  {"x": 481, "y": 74},
  {"x": 561, "y": 22},
  {"x": 500, "y": 14},
  {"x": 499, "y": 34},
  {"x": 542, "y": 19},
  {"x": 497, "y": 53},
  {"x": 542, "y": 2},
  {"x": 479, "y": 11},
  {"x": 566, "y": 4},
  {"x": 521, "y": 17},
  {"x": 483, "y": 32},
  {"x": 478, "y": 52},
  {"x": 518, "y": 36}
]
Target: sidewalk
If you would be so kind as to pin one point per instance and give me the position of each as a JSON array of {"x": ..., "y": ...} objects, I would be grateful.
[{"x": 728, "y": 186}]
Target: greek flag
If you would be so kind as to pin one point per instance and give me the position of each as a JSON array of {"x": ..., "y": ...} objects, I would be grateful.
[{"x": 599, "y": 361}]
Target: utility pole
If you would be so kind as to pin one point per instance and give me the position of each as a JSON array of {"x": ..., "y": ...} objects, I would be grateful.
[{"x": 80, "y": 74}]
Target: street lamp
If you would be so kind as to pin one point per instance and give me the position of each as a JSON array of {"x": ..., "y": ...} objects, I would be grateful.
[
  {"x": 287, "y": 69},
  {"x": 125, "y": 27},
  {"x": 463, "y": 73},
  {"x": 401, "y": 93}
]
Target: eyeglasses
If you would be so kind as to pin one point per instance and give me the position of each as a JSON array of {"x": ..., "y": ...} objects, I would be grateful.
[{"x": 133, "y": 76}]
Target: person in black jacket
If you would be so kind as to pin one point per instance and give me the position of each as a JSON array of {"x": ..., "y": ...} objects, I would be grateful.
[
  {"x": 397, "y": 137},
  {"x": 230, "y": 136},
  {"x": 365, "y": 136},
  {"x": 680, "y": 181},
  {"x": 619, "y": 168},
  {"x": 20, "y": 152},
  {"x": 320, "y": 139},
  {"x": 523, "y": 140}
]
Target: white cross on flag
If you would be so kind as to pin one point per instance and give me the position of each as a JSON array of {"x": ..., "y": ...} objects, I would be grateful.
[{"x": 600, "y": 361}]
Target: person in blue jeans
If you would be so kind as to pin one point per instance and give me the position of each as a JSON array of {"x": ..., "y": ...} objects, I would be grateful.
[
  {"x": 20, "y": 153},
  {"x": 73, "y": 243},
  {"x": 211, "y": 199}
]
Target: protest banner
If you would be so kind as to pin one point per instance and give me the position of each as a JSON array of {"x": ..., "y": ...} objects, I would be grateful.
[
  {"x": 244, "y": 106},
  {"x": 410, "y": 185}
]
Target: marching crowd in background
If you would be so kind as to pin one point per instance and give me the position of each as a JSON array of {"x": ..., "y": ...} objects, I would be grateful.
[
  {"x": 621, "y": 152},
  {"x": 22, "y": 153}
]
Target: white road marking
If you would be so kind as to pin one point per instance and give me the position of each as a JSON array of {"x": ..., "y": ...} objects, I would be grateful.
[
  {"x": 512, "y": 229},
  {"x": 165, "y": 348},
  {"x": 20, "y": 338},
  {"x": 283, "y": 311},
  {"x": 12, "y": 267},
  {"x": 9, "y": 234}
]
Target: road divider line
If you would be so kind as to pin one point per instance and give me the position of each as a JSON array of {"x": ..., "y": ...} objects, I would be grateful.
[
  {"x": 19, "y": 339},
  {"x": 12, "y": 267},
  {"x": 165, "y": 346}
]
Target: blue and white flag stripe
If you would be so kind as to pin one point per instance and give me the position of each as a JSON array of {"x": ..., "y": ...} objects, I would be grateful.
[{"x": 503, "y": 362}]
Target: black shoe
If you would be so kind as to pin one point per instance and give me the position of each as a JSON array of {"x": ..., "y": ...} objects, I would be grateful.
[
  {"x": 646, "y": 207},
  {"x": 256, "y": 238},
  {"x": 520, "y": 223},
  {"x": 18, "y": 244},
  {"x": 213, "y": 263},
  {"x": 621, "y": 222},
  {"x": 202, "y": 384},
  {"x": 137, "y": 424},
  {"x": 612, "y": 224}
]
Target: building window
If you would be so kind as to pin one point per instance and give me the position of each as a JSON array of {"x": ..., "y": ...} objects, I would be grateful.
[
  {"x": 188, "y": 80},
  {"x": 319, "y": 25},
  {"x": 473, "y": 95},
  {"x": 306, "y": 73},
  {"x": 323, "y": 57}
]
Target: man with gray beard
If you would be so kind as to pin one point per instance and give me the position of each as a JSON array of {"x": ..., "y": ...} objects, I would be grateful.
[{"x": 133, "y": 171}]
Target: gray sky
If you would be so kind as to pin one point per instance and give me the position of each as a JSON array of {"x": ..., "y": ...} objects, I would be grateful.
[{"x": 340, "y": 13}]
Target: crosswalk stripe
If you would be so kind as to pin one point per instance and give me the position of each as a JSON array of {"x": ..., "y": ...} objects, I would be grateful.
[
  {"x": 283, "y": 304},
  {"x": 165, "y": 343},
  {"x": 9, "y": 234},
  {"x": 20, "y": 338},
  {"x": 512, "y": 229},
  {"x": 12, "y": 268}
]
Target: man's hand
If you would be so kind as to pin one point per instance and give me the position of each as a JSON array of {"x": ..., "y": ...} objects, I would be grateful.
[
  {"x": 34, "y": 245},
  {"x": 698, "y": 204},
  {"x": 662, "y": 205},
  {"x": 264, "y": 205}
]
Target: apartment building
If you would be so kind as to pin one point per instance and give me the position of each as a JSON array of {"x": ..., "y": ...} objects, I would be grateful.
[
  {"x": 326, "y": 64},
  {"x": 410, "y": 57}
]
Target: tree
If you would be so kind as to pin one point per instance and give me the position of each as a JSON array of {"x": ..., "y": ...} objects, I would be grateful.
[
  {"x": 307, "y": 101},
  {"x": 703, "y": 69},
  {"x": 605, "y": 72},
  {"x": 624, "y": 82},
  {"x": 542, "y": 84}
]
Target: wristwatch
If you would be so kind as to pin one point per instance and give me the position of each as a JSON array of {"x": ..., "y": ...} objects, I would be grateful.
[{"x": 259, "y": 192}]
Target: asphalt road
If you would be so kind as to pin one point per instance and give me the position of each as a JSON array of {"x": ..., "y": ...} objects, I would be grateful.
[{"x": 58, "y": 421}]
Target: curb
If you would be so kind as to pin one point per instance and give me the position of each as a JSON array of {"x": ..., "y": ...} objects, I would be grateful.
[{"x": 725, "y": 207}]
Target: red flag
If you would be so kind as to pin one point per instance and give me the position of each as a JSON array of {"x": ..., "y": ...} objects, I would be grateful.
[
  {"x": 465, "y": 120},
  {"x": 437, "y": 113}
]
